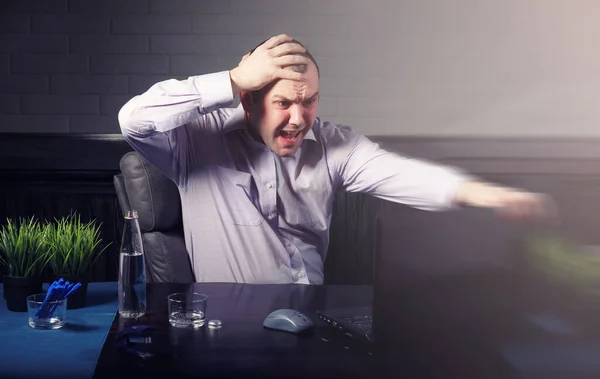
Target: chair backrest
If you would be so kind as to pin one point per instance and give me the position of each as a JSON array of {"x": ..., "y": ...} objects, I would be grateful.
[{"x": 141, "y": 186}]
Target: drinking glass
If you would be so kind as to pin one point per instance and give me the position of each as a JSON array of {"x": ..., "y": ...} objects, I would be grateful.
[
  {"x": 187, "y": 309},
  {"x": 51, "y": 315}
]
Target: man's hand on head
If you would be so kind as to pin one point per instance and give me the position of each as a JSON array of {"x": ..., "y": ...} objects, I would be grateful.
[
  {"x": 267, "y": 63},
  {"x": 507, "y": 202}
]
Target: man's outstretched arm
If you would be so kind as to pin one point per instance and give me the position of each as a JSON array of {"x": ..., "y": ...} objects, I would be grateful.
[
  {"x": 507, "y": 202},
  {"x": 362, "y": 166}
]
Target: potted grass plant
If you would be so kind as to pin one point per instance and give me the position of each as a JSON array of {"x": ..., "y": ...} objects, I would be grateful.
[
  {"x": 74, "y": 247},
  {"x": 23, "y": 257}
]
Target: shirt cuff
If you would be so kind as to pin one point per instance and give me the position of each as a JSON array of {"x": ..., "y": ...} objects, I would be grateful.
[
  {"x": 458, "y": 177},
  {"x": 215, "y": 90}
]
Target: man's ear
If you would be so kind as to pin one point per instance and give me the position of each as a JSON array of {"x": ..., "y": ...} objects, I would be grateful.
[{"x": 247, "y": 101}]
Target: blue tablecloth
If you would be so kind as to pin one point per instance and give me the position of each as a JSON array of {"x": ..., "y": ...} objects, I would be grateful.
[{"x": 69, "y": 352}]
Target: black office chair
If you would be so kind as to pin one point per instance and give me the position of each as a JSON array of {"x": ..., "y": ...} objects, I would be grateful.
[{"x": 144, "y": 188}]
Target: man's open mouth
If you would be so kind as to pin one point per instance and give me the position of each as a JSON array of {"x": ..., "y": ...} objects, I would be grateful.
[{"x": 290, "y": 136}]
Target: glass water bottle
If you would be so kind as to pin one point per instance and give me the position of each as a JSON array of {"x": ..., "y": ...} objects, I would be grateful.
[{"x": 132, "y": 272}]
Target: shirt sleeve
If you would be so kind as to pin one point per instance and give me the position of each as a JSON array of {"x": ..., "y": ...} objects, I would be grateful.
[
  {"x": 362, "y": 166},
  {"x": 151, "y": 122}
]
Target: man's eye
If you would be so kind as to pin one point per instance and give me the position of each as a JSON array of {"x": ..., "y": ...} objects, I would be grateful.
[{"x": 283, "y": 103}]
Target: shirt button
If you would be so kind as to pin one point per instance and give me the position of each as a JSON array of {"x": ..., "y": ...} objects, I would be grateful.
[
  {"x": 271, "y": 216},
  {"x": 300, "y": 275},
  {"x": 269, "y": 185}
]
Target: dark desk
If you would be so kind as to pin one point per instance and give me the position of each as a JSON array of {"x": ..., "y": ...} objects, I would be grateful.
[
  {"x": 242, "y": 348},
  {"x": 466, "y": 325},
  {"x": 492, "y": 324}
]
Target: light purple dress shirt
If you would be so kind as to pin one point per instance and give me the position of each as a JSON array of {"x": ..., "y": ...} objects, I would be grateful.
[{"x": 249, "y": 215}]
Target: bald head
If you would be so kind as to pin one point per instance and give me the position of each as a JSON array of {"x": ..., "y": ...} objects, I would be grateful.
[
  {"x": 311, "y": 69},
  {"x": 301, "y": 68}
]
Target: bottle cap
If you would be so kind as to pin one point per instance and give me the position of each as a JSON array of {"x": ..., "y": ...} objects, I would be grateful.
[{"x": 215, "y": 324}]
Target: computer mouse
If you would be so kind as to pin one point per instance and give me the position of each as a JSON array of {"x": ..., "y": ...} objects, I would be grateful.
[{"x": 288, "y": 320}]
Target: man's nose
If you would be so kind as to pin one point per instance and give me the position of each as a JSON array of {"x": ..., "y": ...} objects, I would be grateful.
[{"x": 296, "y": 115}]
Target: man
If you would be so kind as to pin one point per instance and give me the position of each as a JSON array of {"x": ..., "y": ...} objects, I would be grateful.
[{"x": 257, "y": 182}]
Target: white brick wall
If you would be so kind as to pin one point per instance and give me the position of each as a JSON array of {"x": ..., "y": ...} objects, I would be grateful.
[{"x": 402, "y": 67}]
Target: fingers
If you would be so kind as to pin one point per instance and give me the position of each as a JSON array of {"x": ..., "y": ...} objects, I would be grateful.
[
  {"x": 270, "y": 61},
  {"x": 290, "y": 74},
  {"x": 523, "y": 207},
  {"x": 527, "y": 206},
  {"x": 288, "y": 60},
  {"x": 281, "y": 45},
  {"x": 287, "y": 49},
  {"x": 275, "y": 41},
  {"x": 541, "y": 207}
]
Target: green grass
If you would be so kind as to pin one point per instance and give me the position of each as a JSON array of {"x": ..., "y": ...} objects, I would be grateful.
[
  {"x": 74, "y": 246},
  {"x": 23, "y": 252}
]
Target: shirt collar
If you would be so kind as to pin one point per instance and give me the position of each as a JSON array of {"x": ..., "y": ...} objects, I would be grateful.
[{"x": 236, "y": 121}]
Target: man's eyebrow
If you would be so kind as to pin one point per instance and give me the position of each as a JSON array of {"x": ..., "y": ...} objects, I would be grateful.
[
  {"x": 280, "y": 97},
  {"x": 314, "y": 95}
]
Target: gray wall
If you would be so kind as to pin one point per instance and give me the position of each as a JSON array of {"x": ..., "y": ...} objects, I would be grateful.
[{"x": 406, "y": 67}]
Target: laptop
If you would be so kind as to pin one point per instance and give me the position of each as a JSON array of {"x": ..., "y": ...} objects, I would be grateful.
[
  {"x": 400, "y": 257},
  {"x": 353, "y": 322},
  {"x": 463, "y": 305}
]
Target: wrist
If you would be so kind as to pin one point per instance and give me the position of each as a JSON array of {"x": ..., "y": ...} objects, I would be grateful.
[
  {"x": 235, "y": 88},
  {"x": 462, "y": 193},
  {"x": 475, "y": 193}
]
